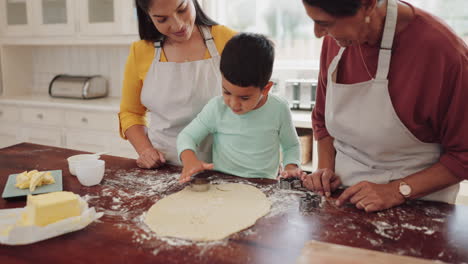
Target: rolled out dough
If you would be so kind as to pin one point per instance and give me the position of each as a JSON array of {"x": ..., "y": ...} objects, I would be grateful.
[{"x": 205, "y": 216}]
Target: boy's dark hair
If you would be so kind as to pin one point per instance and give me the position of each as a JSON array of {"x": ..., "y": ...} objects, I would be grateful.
[
  {"x": 337, "y": 8},
  {"x": 149, "y": 32},
  {"x": 247, "y": 60}
]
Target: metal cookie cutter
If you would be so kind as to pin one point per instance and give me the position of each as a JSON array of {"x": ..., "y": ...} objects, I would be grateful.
[
  {"x": 289, "y": 183},
  {"x": 296, "y": 183},
  {"x": 309, "y": 202},
  {"x": 285, "y": 184},
  {"x": 200, "y": 182},
  {"x": 199, "y": 185}
]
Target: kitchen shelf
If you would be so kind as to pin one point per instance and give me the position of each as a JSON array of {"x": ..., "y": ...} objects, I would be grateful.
[
  {"x": 66, "y": 41},
  {"x": 110, "y": 104}
]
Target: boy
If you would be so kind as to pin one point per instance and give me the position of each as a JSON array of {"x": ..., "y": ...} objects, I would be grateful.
[{"x": 248, "y": 125}]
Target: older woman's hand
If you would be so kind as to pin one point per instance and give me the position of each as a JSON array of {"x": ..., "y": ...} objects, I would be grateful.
[
  {"x": 372, "y": 197},
  {"x": 322, "y": 181},
  {"x": 150, "y": 158}
]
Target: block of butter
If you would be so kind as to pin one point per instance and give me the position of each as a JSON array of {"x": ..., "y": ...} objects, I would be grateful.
[{"x": 44, "y": 209}]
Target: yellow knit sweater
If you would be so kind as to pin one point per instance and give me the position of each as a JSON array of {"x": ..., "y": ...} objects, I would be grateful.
[{"x": 132, "y": 112}]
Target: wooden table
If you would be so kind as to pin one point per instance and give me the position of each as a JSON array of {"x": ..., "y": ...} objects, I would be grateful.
[{"x": 420, "y": 229}]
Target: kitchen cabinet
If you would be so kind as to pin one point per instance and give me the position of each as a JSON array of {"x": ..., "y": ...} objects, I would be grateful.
[
  {"x": 100, "y": 17},
  {"x": 8, "y": 114},
  {"x": 37, "y": 17},
  {"x": 41, "y": 116},
  {"x": 67, "y": 18},
  {"x": 43, "y": 135},
  {"x": 9, "y": 134},
  {"x": 129, "y": 16},
  {"x": 75, "y": 124},
  {"x": 86, "y": 140},
  {"x": 86, "y": 120},
  {"x": 8, "y": 130},
  {"x": 16, "y": 17},
  {"x": 54, "y": 17},
  {"x": 108, "y": 17}
]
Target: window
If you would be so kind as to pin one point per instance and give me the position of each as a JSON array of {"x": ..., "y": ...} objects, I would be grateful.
[
  {"x": 287, "y": 23},
  {"x": 453, "y": 12}
]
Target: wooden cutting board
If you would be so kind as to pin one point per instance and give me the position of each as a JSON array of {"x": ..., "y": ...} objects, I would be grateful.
[{"x": 325, "y": 253}]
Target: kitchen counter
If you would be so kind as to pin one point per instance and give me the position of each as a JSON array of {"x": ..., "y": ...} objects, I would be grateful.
[
  {"x": 301, "y": 119},
  {"x": 421, "y": 229},
  {"x": 111, "y": 104}
]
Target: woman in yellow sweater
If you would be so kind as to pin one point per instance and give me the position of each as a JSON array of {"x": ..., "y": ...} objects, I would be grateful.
[{"x": 171, "y": 73}]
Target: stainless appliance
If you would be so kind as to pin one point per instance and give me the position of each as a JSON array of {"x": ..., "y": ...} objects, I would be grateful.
[
  {"x": 300, "y": 93},
  {"x": 81, "y": 87},
  {"x": 275, "y": 87}
]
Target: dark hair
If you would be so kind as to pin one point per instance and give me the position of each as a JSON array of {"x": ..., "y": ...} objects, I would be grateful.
[
  {"x": 247, "y": 60},
  {"x": 337, "y": 8},
  {"x": 149, "y": 32}
]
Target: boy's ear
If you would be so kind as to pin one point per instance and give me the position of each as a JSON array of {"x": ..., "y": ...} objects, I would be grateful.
[{"x": 267, "y": 88}]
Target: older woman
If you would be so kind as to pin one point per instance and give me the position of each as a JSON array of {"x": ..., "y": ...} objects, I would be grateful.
[
  {"x": 390, "y": 109},
  {"x": 172, "y": 72}
]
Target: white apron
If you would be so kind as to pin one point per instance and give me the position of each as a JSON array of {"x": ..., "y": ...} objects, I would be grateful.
[
  {"x": 174, "y": 93},
  {"x": 371, "y": 142}
]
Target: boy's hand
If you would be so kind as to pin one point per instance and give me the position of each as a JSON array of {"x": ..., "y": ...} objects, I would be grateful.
[
  {"x": 193, "y": 168},
  {"x": 291, "y": 170},
  {"x": 192, "y": 165}
]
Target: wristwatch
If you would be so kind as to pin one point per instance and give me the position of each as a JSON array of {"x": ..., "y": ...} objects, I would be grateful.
[{"x": 405, "y": 189}]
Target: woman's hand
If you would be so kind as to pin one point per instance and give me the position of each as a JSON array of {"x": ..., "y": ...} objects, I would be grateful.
[
  {"x": 150, "y": 158},
  {"x": 291, "y": 170},
  {"x": 322, "y": 181},
  {"x": 372, "y": 197},
  {"x": 192, "y": 167}
]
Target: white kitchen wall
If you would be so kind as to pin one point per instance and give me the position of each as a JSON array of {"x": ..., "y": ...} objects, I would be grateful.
[
  {"x": 108, "y": 61},
  {"x": 1, "y": 74}
]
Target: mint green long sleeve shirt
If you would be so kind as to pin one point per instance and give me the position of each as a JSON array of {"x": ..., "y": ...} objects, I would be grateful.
[{"x": 245, "y": 145}]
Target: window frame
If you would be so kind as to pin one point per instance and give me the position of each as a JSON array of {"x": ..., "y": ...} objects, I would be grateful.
[{"x": 211, "y": 7}]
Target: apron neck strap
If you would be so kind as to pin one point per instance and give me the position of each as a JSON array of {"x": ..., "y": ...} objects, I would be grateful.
[
  {"x": 206, "y": 34},
  {"x": 209, "y": 41},
  {"x": 334, "y": 64},
  {"x": 386, "y": 45},
  {"x": 385, "y": 54},
  {"x": 157, "y": 48}
]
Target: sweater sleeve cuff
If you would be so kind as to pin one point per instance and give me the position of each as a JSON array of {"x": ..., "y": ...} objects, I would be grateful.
[
  {"x": 125, "y": 122},
  {"x": 297, "y": 163},
  {"x": 290, "y": 160},
  {"x": 320, "y": 133},
  {"x": 455, "y": 165}
]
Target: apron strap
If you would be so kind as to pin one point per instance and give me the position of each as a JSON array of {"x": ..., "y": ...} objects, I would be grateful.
[
  {"x": 333, "y": 65},
  {"x": 157, "y": 48},
  {"x": 209, "y": 41},
  {"x": 386, "y": 45}
]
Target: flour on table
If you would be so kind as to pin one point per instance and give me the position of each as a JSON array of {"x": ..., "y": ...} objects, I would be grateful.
[
  {"x": 130, "y": 193},
  {"x": 127, "y": 196}
]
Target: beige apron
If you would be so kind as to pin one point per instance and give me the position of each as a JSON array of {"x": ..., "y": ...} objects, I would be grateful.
[
  {"x": 371, "y": 142},
  {"x": 174, "y": 93}
]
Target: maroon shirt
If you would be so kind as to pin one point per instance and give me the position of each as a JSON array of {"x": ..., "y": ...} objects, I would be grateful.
[{"x": 428, "y": 85}]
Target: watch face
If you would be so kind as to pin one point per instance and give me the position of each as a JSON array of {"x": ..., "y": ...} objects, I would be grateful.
[{"x": 405, "y": 190}]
